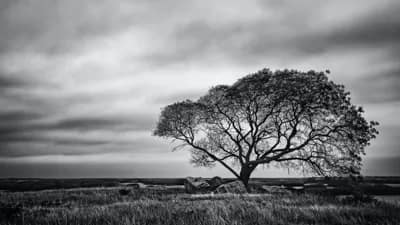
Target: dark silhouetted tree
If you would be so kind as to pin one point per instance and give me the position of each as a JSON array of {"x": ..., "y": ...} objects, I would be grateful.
[{"x": 289, "y": 118}]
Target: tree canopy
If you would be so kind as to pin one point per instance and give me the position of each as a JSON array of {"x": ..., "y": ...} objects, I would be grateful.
[{"x": 287, "y": 117}]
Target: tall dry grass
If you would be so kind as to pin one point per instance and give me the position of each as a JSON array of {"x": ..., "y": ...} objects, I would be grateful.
[{"x": 108, "y": 206}]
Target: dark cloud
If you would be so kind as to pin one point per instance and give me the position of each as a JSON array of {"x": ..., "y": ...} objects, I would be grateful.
[
  {"x": 15, "y": 81},
  {"x": 10, "y": 82},
  {"x": 36, "y": 145},
  {"x": 381, "y": 27},
  {"x": 32, "y": 138},
  {"x": 18, "y": 116},
  {"x": 85, "y": 124},
  {"x": 77, "y": 142},
  {"x": 380, "y": 87},
  {"x": 117, "y": 123},
  {"x": 180, "y": 96},
  {"x": 20, "y": 130},
  {"x": 77, "y": 145},
  {"x": 58, "y": 27},
  {"x": 16, "y": 123},
  {"x": 377, "y": 30},
  {"x": 290, "y": 37}
]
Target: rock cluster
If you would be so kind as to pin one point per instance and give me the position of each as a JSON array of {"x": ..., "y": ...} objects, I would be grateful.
[
  {"x": 198, "y": 184},
  {"x": 215, "y": 184},
  {"x": 236, "y": 187}
]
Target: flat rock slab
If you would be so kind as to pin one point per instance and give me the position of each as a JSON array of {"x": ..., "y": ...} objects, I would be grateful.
[
  {"x": 274, "y": 189},
  {"x": 136, "y": 185}
]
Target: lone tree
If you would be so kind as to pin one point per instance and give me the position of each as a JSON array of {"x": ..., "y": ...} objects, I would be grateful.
[{"x": 290, "y": 118}]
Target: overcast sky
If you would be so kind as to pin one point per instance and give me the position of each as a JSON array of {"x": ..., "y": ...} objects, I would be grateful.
[{"x": 82, "y": 82}]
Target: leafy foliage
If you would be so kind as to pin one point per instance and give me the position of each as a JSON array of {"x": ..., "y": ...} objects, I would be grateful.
[{"x": 292, "y": 118}]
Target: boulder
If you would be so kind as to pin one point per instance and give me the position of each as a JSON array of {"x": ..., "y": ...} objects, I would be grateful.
[
  {"x": 137, "y": 185},
  {"x": 157, "y": 187},
  {"x": 306, "y": 185},
  {"x": 215, "y": 182},
  {"x": 274, "y": 189},
  {"x": 195, "y": 184},
  {"x": 236, "y": 187},
  {"x": 296, "y": 189}
]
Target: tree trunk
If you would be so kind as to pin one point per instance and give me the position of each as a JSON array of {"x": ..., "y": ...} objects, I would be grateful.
[{"x": 245, "y": 173}]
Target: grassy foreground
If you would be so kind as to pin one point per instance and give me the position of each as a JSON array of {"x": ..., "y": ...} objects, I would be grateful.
[{"x": 100, "y": 206}]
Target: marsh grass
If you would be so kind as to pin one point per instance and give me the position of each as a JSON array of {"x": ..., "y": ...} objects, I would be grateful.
[{"x": 100, "y": 206}]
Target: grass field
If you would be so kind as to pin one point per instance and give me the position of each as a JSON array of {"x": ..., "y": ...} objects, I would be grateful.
[{"x": 108, "y": 205}]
